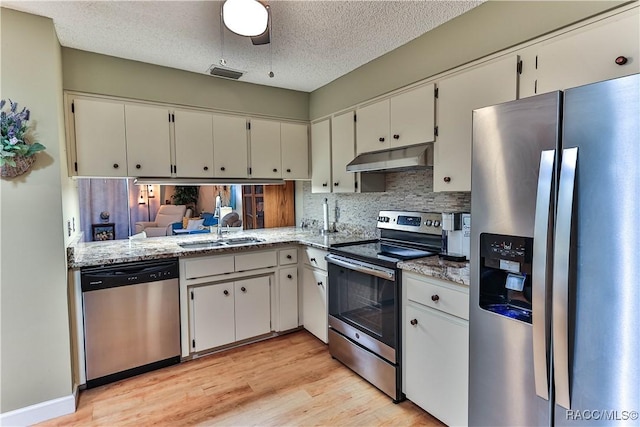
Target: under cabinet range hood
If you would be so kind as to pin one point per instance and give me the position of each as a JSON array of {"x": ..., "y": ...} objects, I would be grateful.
[{"x": 404, "y": 158}]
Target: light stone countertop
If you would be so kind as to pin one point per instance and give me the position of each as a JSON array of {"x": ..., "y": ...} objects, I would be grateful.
[
  {"x": 433, "y": 266},
  {"x": 91, "y": 254}
]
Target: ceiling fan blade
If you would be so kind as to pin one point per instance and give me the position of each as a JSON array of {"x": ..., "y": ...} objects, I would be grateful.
[{"x": 263, "y": 38}]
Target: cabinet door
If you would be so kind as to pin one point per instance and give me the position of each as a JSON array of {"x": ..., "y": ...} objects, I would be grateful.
[
  {"x": 413, "y": 117},
  {"x": 230, "y": 147},
  {"x": 253, "y": 307},
  {"x": 194, "y": 144},
  {"x": 321, "y": 157},
  {"x": 458, "y": 96},
  {"x": 148, "y": 141},
  {"x": 314, "y": 302},
  {"x": 265, "y": 149},
  {"x": 372, "y": 127},
  {"x": 212, "y": 314},
  {"x": 101, "y": 148},
  {"x": 288, "y": 298},
  {"x": 295, "y": 150},
  {"x": 436, "y": 354},
  {"x": 342, "y": 152},
  {"x": 590, "y": 56}
]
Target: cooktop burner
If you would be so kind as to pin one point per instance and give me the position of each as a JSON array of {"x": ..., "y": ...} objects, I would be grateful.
[{"x": 382, "y": 251}]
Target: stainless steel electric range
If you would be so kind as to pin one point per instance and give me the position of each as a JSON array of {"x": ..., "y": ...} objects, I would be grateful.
[{"x": 365, "y": 297}]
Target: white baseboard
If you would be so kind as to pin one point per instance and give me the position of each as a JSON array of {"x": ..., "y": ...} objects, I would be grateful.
[{"x": 40, "y": 411}]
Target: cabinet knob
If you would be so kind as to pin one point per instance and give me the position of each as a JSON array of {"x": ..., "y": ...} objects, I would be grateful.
[
  {"x": 313, "y": 260},
  {"x": 138, "y": 166},
  {"x": 396, "y": 136},
  {"x": 289, "y": 257},
  {"x": 357, "y": 336},
  {"x": 335, "y": 184},
  {"x": 435, "y": 298},
  {"x": 116, "y": 166},
  {"x": 226, "y": 292},
  {"x": 288, "y": 170},
  {"x": 275, "y": 170},
  {"x": 447, "y": 179},
  {"x": 289, "y": 276},
  {"x": 621, "y": 60},
  {"x": 414, "y": 322},
  {"x": 222, "y": 168},
  {"x": 381, "y": 139},
  {"x": 319, "y": 283},
  {"x": 206, "y": 168},
  {"x": 324, "y": 184},
  {"x": 243, "y": 289}
]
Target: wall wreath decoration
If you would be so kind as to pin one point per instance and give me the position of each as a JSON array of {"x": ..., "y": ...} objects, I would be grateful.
[{"x": 17, "y": 151}]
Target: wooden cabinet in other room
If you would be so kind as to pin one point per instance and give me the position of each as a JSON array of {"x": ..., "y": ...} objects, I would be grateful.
[
  {"x": 148, "y": 140},
  {"x": 458, "y": 96},
  {"x": 268, "y": 206},
  {"x": 401, "y": 120}
]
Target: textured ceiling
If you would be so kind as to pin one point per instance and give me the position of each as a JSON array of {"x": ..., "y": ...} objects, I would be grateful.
[{"x": 313, "y": 42}]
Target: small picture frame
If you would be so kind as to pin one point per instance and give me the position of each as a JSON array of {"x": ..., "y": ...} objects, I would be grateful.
[{"x": 103, "y": 231}]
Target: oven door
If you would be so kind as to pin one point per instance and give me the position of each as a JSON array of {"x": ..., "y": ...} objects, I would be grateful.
[{"x": 364, "y": 304}]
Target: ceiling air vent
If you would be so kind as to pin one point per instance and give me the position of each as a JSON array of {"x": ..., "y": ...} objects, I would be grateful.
[{"x": 227, "y": 73}]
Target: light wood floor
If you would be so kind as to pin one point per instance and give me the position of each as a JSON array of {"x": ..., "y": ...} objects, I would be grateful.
[{"x": 290, "y": 380}]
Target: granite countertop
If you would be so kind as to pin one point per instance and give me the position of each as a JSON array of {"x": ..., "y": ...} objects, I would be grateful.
[
  {"x": 87, "y": 254},
  {"x": 457, "y": 272}
]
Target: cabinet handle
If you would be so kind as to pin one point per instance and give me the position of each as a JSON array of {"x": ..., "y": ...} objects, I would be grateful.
[
  {"x": 288, "y": 170},
  {"x": 319, "y": 283},
  {"x": 435, "y": 298},
  {"x": 289, "y": 276},
  {"x": 222, "y": 168},
  {"x": 414, "y": 322},
  {"x": 396, "y": 136},
  {"x": 275, "y": 170},
  {"x": 313, "y": 260},
  {"x": 226, "y": 292},
  {"x": 206, "y": 168},
  {"x": 243, "y": 289},
  {"x": 138, "y": 166},
  {"x": 289, "y": 257},
  {"x": 335, "y": 184},
  {"x": 447, "y": 179},
  {"x": 324, "y": 184},
  {"x": 621, "y": 60},
  {"x": 381, "y": 139},
  {"x": 116, "y": 166}
]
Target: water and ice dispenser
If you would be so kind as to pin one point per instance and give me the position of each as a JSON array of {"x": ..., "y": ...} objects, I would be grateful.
[{"x": 505, "y": 275}]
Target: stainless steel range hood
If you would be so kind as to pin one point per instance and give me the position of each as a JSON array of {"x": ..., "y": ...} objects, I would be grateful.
[{"x": 396, "y": 159}]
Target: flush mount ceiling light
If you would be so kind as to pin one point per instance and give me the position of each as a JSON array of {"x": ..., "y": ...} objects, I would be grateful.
[{"x": 247, "y": 18}]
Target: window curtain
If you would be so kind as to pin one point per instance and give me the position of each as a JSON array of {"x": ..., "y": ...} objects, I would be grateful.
[{"x": 103, "y": 195}]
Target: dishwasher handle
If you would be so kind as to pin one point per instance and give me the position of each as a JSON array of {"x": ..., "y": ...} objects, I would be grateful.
[{"x": 96, "y": 278}]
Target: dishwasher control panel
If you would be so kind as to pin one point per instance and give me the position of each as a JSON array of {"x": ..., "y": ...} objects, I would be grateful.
[{"x": 95, "y": 278}]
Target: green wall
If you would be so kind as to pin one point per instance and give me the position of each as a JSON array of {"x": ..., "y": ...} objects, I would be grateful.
[
  {"x": 486, "y": 29},
  {"x": 35, "y": 344},
  {"x": 100, "y": 74}
]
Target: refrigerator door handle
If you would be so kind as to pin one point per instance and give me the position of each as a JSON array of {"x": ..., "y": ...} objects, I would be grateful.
[
  {"x": 561, "y": 257},
  {"x": 540, "y": 273}
]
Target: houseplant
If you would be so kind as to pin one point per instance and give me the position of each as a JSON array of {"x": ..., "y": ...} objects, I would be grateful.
[
  {"x": 16, "y": 153},
  {"x": 186, "y": 195}
]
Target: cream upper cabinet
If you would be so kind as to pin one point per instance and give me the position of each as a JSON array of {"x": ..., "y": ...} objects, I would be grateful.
[
  {"x": 230, "y": 147},
  {"x": 265, "y": 149},
  {"x": 372, "y": 127},
  {"x": 458, "y": 96},
  {"x": 321, "y": 156},
  {"x": 412, "y": 116},
  {"x": 148, "y": 141},
  {"x": 588, "y": 56},
  {"x": 342, "y": 152},
  {"x": 194, "y": 144},
  {"x": 101, "y": 148},
  {"x": 294, "y": 145}
]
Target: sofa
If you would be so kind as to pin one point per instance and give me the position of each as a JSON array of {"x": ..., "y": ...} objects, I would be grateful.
[{"x": 163, "y": 224}]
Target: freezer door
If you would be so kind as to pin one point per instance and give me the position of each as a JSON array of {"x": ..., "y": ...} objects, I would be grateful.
[
  {"x": 508, "y": 140},
  {"x": 599, "y": 342}
]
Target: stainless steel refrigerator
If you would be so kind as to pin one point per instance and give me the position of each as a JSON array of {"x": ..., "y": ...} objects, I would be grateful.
[{"x": 555, "y": 259}]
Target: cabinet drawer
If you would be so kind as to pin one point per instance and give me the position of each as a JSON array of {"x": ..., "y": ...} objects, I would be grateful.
[
  {"x": 288, "y": 256},
  {"x": 208, "y": 266},
  {"x": 315, "y": 258},
  {"x": 439, "y": 294},
  {"x": 253, "y": 261}
]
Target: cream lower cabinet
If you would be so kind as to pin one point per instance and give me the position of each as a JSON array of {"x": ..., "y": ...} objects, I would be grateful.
[
  {"x": 227, "y": 312},
  {"x": 436, "y": 346},
  {"x": 315, "y": 286}
]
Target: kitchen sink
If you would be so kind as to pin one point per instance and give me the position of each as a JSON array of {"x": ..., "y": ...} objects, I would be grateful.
[
  {"x": 242, "y": 240},
  {"x": 201, "y": 245}
]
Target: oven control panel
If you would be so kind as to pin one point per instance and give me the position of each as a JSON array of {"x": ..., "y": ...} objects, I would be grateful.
[{"x": 418, "y": 222}]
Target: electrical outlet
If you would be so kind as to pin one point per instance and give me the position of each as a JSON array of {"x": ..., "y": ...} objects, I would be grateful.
[
  {"x": 69, "y": 228},
  {"x": 73, "y": 223}
]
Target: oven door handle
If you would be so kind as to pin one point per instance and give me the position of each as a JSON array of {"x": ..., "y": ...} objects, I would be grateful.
[{"x": 383, "y": 273}]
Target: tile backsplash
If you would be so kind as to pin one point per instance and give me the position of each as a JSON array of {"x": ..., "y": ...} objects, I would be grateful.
[{"x": 409, "y": 190}]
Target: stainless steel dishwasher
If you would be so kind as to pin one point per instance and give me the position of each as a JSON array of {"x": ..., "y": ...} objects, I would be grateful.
[{"x": 131, "y": 319}]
